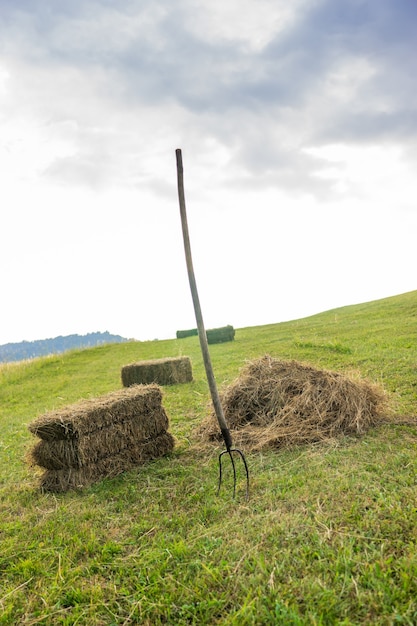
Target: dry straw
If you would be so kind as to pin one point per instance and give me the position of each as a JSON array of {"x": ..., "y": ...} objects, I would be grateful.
[
  {"x": 170, "y": 371},
  {"x": 276, "y": 404}
]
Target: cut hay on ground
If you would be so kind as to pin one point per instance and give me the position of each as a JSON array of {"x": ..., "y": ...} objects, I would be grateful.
[
  {"x": 171, "y": 371},
  {"x": 100, "y": 438},
  {"x": 278, "y": 403}
]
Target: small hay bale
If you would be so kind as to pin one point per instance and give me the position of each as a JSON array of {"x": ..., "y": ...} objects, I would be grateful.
[
  {"x": 90, "y": 416},
  {"x": 275, "y": 404},
  {"x": 170, "y": 371},
  {"x": 181, "y": 334},
  {"x": 90, "y": 448},
  {"x": 107, "y": 467},
  {"x": 220, "y": 335}
]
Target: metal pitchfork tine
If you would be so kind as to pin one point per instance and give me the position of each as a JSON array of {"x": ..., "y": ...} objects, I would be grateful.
[{"x": 203, "y": 341}]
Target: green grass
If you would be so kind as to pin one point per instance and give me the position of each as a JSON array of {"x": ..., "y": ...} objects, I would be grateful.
[{"x": 329, "y": 533}]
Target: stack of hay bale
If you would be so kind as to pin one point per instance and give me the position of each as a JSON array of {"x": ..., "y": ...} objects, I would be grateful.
[
  {"x": 170, "y": 371},
  {"x": 100, "y": 438}
]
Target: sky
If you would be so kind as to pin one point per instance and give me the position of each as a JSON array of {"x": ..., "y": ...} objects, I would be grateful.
[{"x": 297, "y": 123}]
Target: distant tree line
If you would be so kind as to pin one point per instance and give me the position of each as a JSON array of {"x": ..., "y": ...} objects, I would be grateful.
[{"x": 43, "y": 347}]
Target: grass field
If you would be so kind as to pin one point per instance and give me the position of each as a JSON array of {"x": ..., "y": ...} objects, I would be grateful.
[{"x": 329, "y": 535}]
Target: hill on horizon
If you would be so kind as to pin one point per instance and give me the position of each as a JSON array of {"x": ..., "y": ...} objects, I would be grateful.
[{"x": 23, "y": 350}]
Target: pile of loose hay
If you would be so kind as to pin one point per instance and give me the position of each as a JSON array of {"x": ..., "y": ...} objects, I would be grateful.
[
  {"x": 100, "y": 438},
  {"x": 278, "y": 403},
  {"x": 170, "y": 371}
]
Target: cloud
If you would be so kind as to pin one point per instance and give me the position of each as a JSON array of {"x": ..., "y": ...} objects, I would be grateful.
[{"x": 265, "y": 82}]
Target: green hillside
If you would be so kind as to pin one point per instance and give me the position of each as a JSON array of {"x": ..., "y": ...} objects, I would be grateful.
[{"x": 329, "y": 533}]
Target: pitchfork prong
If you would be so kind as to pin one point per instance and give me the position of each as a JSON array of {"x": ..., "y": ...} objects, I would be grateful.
[{"x": 229, "y": 451}]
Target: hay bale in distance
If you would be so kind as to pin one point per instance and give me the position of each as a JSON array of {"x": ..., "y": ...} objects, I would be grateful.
[
  {"x": 220, "y": 335},
  {"x": 276, "y": 403},
  {"x": 181, "y": 334},
  {"x": 170, "y": 371},
  {"x": 100, "y": 438}
]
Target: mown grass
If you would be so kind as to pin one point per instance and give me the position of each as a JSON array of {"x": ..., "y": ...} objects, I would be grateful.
[{"x": 328, "y": 535}]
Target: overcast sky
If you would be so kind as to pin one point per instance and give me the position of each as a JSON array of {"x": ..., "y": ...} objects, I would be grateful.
[{"x": 298, "y": 128}]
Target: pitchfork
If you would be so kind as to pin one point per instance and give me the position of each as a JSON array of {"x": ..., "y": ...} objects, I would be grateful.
[{"x": 203, "y": 341}]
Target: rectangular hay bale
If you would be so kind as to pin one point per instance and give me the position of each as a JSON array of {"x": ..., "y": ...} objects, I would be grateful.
[
  {"x": 89, "y": 416},
  {"x": 78, "y": 451},
  {"x": 220, "y": 335},
  {"x": 108, "y": 467},
  {"x": 192, "y": 332},
  {"x": 170, "y": 371}
]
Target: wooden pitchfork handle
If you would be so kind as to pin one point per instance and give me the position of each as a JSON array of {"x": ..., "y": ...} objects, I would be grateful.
[{"x": 203, "y": 337}]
